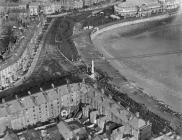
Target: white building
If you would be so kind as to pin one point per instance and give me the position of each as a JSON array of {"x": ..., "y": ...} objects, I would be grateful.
[
  {"x": 33, "y": 9},
  {"x": 49, "y": 9},
  {"x": 77, "y": 4},
  {"x": 126, "y": 9},
  {"x": 87, "y": 2}
]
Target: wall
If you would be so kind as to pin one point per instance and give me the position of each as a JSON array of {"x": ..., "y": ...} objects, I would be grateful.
[{"x": 117, "y": 25}]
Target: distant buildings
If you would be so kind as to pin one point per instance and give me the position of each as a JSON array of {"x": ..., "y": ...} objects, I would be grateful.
[
  {"x": 1, "y": 17},
  {"x": 91, "y": 2},
  {"x": 48, "y": 6},
  {"x": 77, "y": 4},
  {"x": 33, "y": 9},
  {"x": 145, "y": 7},
  {"x": 49, "y": 9}
]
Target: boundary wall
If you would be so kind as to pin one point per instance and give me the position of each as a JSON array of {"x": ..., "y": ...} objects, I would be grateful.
[{"x": 127, "y": 23}]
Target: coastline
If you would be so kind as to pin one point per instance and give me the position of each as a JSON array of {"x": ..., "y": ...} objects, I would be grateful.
[
  {"x": 132, "y": 22},
  {"x": 132, "y": 74}
]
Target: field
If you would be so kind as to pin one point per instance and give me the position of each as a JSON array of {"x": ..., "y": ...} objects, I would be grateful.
[{"x": 150, "y": 55}]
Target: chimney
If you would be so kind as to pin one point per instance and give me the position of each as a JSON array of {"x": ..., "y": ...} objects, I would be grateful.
[
  {"x": 41, "y": 89},
  {"x": 110, "y": 96},
  {"x": 83, "y": 80},
  {"x": 56, "y": 89},
  {"x": 16, "y": 97},
  {"x": 95, "y": 85},
  {"x": 102, "y": 91},
  {"x": 29, "y": 93},
  {"x": 52, "y": 85},
  {"x": 119, "y": 110},
  {"x": 33, "y": 98},
  {"x": 44, "y": 93},
  {"x": 148, "y": 123},
  {"x": 137, "y": 114},
  {"x": 19, "y": 101},
  {"x": 67, "y": 81},
  {"x": 3, "y": 100}
]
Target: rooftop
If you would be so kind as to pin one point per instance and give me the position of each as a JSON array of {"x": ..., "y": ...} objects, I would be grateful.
[
  {"x": 131, "y": 3},
  {"x": 30, "y": 101}
]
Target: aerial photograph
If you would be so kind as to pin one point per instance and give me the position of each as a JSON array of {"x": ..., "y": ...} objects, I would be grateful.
[{"x": 90, "y": 69}]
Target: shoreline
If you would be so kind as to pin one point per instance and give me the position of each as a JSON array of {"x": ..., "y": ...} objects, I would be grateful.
[
  {"x": 127, "y": 23},
  {"x": 132, "y": 74}
]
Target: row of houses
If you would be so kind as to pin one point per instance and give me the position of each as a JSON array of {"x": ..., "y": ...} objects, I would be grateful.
[
  {"x": 47, "y": 7},
  {"x": 69, "y": 4},
  {"x": 145, "y": 7},
  {"x": 102, "y": 109},
  {"x": 40, "y": 107},
  {"x": 48, "y": 104}
]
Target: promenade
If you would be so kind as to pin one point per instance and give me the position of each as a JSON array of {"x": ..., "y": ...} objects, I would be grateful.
[{"x": 89, "y": 52}]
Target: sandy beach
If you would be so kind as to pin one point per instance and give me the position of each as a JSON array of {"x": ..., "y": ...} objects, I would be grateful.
[{"x": 150, "y": 56}]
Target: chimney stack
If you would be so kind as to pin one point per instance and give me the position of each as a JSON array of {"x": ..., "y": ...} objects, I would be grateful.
[
  {"x": 137, "y": 114},
  {"x": 52, "y": 85},
  {"x": 3, "y": 100},
  {"x": 83, "y": 80},
  {"x": 33, "y": 98},
  {"x": 102, "y": 91},
  {"x": 44, "y": 94},
  {"x": 95, "y": 86}
]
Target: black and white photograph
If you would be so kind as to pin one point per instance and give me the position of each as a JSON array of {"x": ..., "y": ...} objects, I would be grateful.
[{"x": 90, "y": 69}]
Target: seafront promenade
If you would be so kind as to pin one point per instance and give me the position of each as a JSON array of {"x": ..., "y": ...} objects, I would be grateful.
[
  {"x": 103, "y": 61},
  {"x": 127, "y": 23},
  {"x": 146, "y": 83}
]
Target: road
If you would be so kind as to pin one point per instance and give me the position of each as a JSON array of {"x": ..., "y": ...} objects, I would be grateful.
[{"x": 50, "y": 65}]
